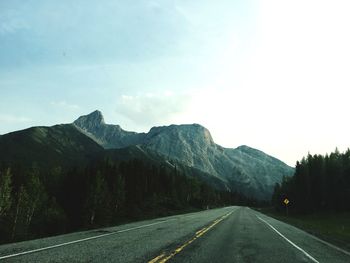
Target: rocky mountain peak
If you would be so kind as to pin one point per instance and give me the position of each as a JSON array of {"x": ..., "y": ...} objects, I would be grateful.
[
  {"x": 184, "y": 132},
  {"x": 109, "y": 136},
  {"x": 90, "y": 121}
]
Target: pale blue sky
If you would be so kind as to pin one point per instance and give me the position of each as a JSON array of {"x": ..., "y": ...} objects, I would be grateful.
[{"x": 247, "y": 70}]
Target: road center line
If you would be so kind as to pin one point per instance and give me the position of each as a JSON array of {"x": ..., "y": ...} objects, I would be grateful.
[
  {"x": 164, "y": 258},
  {"x": 290, "y": 242},
  {"x": 82, "y": 240}
]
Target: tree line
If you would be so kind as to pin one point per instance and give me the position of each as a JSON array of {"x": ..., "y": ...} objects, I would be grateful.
[
  {"x": 36, "y": 203},
  {"x": 320, "y": 183}
]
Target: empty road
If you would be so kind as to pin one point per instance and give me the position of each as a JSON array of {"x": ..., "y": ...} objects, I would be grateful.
[{"x": 231, "y": 234}]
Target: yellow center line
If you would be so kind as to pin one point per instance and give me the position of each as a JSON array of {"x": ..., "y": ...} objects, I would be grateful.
[
  {"x": 163, "y": 258},
  {"x": 157, "y": 258}
]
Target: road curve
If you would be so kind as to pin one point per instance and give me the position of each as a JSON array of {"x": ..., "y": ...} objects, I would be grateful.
[{"x": 231, "y": 234}]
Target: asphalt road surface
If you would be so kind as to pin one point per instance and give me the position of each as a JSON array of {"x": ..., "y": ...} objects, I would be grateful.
[{"x": 231, "y": 234}]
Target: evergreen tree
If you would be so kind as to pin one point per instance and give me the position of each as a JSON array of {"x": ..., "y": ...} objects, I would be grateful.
[
  {"x": 320, "y": 183},
  {"x": 5, "y": 192},
  {"x": 19, "y": 228},
  {"x": 98, "y": 200},
  {"x": 36, "y": 192}
]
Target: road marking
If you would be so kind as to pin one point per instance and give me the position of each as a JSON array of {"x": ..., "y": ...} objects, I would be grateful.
[
  {"x": 157, "y": 258},
  {"x": 290, "y": 242},
  {"x": 82, "y": 240},
  {"x": 164, "y": 258}
]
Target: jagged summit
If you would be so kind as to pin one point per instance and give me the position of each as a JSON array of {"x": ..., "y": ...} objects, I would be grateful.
[
  {"x": 91, "y": 120},
  {"x": 107, "y": 135}
]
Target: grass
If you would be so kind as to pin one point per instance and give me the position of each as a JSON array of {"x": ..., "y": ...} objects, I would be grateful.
[{"x": 331, "y": 227}]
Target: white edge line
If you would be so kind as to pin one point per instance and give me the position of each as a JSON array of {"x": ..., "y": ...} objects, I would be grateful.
[
  {"x": 290, "y": 242},
  {"x": 328, "y": 244},
  {"x": 81, "y": 240}
]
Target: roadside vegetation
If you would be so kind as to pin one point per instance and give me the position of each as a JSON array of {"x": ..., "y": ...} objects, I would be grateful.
[
  {"x": 319, "y": 197},
  {"x": 320, "y": 184}
]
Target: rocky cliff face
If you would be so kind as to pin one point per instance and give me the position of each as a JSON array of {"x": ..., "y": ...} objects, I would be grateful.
[
  {"x": 244, "y": 169},
  {"x": 256, "y": 171},
  {"x": 190, "y": 144}
]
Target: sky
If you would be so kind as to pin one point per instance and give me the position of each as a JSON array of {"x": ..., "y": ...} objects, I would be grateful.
[{"x": 270, "y": 74}]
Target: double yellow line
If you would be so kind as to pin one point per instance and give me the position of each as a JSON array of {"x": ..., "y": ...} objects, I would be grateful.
[{"x": 164, "y": 257}]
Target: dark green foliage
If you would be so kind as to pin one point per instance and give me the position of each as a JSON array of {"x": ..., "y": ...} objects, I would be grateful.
[
  {"x": 51, "y": 220},
  {"x": 320, "y": 183},
  {"x": 5, "y": 192},
  {"x": 28, "y": 200},
  {"x": 105, "y": 192}
]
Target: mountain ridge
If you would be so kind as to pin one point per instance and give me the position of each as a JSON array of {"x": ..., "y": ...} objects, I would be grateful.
[
  {"x": 46, "y": 146},
  {"x": 244, "y": 169}
]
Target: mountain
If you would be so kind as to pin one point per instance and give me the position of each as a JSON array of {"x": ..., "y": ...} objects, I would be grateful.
[
  {"x": 86, "y": 174},
  {"x": 243, "y": 169},
  {"x": 107, "y": 135},
  {"x": 190, "y": 148},
  {"x": 46, "y": 146},
  {"x": 56, "y": 180}
]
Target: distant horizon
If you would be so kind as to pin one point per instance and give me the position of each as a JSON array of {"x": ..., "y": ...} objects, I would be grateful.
[{"x": 271, "y": 74}]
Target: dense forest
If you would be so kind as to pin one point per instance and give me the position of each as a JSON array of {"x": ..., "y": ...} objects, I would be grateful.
[
  {"x": 320, "y": 183},
  {"x": 36, "y": 203}
]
